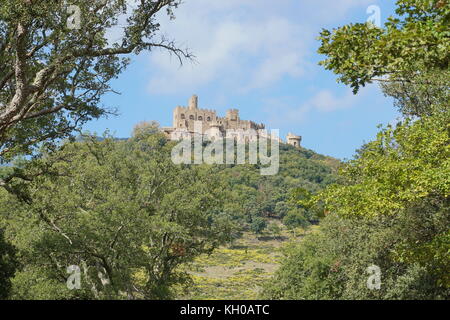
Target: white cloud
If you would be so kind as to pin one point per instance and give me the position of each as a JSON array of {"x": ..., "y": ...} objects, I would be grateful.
[
  {"x": 283, "y": 111},
  {"x": 241, "y": 44},
  {"x": 327, "y": 11}
]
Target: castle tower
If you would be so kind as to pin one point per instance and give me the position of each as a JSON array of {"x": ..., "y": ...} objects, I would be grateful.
[
  {"x": 178, "y": 117},
  {"x": 232, "y": 114},
  {"x": 293, "y": 140},
  {"x": 193, "y": 102}
]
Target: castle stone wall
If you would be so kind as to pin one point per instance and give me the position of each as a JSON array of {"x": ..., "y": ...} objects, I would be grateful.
[{"x": 185, "y": 118}]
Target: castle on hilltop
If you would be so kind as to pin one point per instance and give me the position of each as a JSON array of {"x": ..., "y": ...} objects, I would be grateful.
[{"x": 192, "y": 120}]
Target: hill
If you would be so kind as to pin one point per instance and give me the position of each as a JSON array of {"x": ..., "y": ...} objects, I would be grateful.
[{"x": 123, "y": 209}]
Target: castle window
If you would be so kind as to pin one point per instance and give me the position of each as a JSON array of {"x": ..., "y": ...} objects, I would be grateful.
[
  {"x": 208, "y": 119},
  {"x": 183, "y": 116},
  {"x": 200, "y": 118},
  {"x": 191, "y": 117}
]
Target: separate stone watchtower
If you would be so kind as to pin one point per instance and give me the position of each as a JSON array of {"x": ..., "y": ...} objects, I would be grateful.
[{"x": 293, "y": 139}]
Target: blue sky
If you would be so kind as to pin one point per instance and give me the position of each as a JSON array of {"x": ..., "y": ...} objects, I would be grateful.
[{"x": 258, "y": 56}]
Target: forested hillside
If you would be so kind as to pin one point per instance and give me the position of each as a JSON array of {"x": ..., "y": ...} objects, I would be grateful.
[{"x": 121, "y": 208}]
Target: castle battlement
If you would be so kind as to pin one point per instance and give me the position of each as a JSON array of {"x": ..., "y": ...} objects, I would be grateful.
[{"x": 185, "y": 119}]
